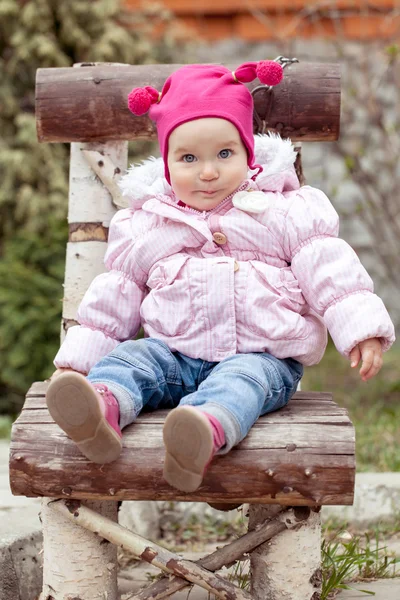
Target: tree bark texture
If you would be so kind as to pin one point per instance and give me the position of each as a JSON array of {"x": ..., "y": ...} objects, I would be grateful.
[
  {"x": 288, "y": 566},
  {"x": 89, "y": 104},
  {"x": 146, "y": 550},
  {"x": 302, "y": 454},
  {"x": 78, "y": 564},
  {"x": 91, "y": 209}
]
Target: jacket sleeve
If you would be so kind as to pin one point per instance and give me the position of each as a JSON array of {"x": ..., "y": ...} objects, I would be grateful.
[
  {"x": 110, "y": 310},
  {"x": 331, "y": 277}
]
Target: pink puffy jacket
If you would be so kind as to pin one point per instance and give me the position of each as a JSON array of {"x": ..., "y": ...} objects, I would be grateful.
[{"x": 228, "y": 281}]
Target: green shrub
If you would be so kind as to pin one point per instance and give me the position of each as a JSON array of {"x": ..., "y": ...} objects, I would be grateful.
[
  {"x": 34, "y": 177},
  {"x": 31, "y": 272}
]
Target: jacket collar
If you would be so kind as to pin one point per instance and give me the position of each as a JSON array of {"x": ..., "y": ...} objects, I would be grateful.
[
  {"x": 167, "y": 206},
  {"x": 164, "y": 207}
]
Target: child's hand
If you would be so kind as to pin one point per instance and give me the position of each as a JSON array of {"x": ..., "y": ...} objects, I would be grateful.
[{"x": 370, "y": 352}]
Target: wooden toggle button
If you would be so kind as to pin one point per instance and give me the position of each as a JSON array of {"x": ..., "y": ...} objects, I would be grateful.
[{"x": 219, "y": 238}]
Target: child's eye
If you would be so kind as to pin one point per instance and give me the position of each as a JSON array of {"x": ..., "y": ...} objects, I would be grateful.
[
  {"x": 189, "y": 158},
  {"x": 225, "y": 153}
]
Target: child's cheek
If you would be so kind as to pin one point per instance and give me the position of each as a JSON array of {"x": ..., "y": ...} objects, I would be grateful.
[{"x": 186, "y": 176}]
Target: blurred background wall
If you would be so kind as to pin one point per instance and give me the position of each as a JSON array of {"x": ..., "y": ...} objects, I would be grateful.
[{"x": 259, "y": 20}]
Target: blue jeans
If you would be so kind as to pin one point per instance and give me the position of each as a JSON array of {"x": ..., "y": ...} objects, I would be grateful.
[{"x": 145, "y": 374}]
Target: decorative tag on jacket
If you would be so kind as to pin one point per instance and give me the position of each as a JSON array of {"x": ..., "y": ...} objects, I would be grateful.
[{"x": 250, "y": 201}]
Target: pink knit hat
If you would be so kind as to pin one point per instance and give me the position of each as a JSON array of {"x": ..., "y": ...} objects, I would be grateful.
[{"x": 198, "y": 91}]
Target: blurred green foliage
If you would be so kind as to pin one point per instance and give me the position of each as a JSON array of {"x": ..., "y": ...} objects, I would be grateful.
[
  {"x": 34, "y": 177},
  {"x": 373, "y": 406}
]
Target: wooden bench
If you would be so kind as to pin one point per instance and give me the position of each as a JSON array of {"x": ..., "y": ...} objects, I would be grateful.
[{"x": 293, "y": 461}]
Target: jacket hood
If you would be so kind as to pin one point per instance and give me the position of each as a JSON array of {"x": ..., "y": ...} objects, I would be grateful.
[{"x": 276, "y": 156}]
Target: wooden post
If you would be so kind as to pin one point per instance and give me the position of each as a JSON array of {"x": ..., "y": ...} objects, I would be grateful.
[
  {"x": 90, "y": 211},
  {"x": 289, "y": 565},
  {"x": 77, "y": 564}
]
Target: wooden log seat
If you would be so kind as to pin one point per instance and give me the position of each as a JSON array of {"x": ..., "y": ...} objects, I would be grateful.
[
  {"x": 300, "y": 455},
  {"x": 90, "y": 104}
]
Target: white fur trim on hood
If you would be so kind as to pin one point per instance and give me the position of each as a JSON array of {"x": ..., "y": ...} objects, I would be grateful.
[
  {"x": 144, "y": 181},
  {"x": 275, "y": 155}
]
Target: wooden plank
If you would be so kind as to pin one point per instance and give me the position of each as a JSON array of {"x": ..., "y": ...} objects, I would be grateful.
[
  {"x": 325, "y": 439},
  {"x": 313, "y": 464},
  {"x": 41, "y": 415},
  {"x": 308, "y": 401},
  {"x": 90, "y": 104},
  {"x": 57, "y": 469},
  {"x": 296, "y": 405},
  {"x": 38, "y": 389},
  {"x": 304, "y": 407},
  {"x": 285, "y": 458}
]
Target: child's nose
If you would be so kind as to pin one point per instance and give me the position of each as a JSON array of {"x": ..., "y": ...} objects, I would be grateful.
[{"x": 208, "y": 171}]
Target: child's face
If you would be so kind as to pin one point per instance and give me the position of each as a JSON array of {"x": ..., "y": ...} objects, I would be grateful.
[{"x": 207, "y": 161}]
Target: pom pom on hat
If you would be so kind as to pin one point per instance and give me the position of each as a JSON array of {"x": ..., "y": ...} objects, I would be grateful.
[
  {"x": 140, "y": 100},
  {"x": 269, "y": 72}
]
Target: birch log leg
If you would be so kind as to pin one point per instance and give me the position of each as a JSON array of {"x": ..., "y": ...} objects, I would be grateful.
[
  {"x": 91, "y": 209},
  {"x": 77, "y": 563},
  {"x": 287, "y": 567}
]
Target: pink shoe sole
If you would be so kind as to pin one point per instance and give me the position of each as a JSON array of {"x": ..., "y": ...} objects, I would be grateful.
[
  {"x": 189, "y": 446},
  {"x": 75, "y": 406}
]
